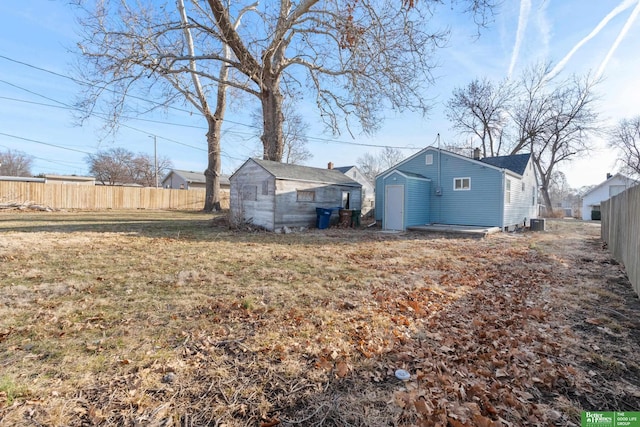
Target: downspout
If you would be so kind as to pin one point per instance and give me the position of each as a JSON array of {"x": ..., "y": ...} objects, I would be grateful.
[
  {"x": 503, "y": 197},
  {"x": 439, "y": 199}
]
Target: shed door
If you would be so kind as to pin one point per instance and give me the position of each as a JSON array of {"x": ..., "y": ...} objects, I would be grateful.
[{"x": 394, "y": 207}]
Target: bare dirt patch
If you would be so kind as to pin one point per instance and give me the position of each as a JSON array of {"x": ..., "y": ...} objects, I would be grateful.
[{"x": 172, "y": 319}]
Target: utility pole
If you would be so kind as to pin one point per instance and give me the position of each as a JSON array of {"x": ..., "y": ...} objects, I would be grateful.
[{"x": 155, "y": 157}]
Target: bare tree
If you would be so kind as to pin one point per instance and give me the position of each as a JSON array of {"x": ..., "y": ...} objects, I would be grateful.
[
  {"x": 294, "y": 134},
  {"x": 143, "y": 169},
  {"x": 558, "y": 188},
  {"x": 15, "y": 163},
  {"x": 112, "y": 166},
  {"x": 372, "y": 165},
  {"x": 357, "y": 57},
  {"x": 128, "y": 50},
  {"x": 482, "y": 109},
  {"x": 625, "y": 137},
  {"x": 555, "y": 121},
  {"x": 120, "y": 166}
]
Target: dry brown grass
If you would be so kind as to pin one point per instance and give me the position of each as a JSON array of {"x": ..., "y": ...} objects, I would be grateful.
[{"x": 170, "y": 318}]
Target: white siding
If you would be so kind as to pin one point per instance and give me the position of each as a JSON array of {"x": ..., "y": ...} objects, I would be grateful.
[
  {"x": 524, "y": 198},
  {"x": 591, "y": 200}
]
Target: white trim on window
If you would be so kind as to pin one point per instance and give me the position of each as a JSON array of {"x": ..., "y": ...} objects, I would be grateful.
[
  {"x": 428, "y": 159},
  {"x": 507, "y": 191},
  {"x": 462, "y": 184}
]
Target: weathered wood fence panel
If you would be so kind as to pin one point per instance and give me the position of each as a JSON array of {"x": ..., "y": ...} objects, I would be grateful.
[
  {"x": 621, "y": 231},
  {"x": 68, "y": 196}
]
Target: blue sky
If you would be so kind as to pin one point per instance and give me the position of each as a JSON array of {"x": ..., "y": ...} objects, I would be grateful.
[{"x": 577, "y": 35}]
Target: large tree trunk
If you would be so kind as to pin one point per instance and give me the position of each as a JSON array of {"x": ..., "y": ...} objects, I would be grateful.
[
  {"x": 545, "y": 180},
  {"x": 273, "y": 119},
  {"x": 547, "y": 199},
  {"x": 213, "y": 171}
]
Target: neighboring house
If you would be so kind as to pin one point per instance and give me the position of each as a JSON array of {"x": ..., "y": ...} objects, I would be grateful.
[
  {"x": 69, "y": 179},
  {"x": 613, "y": 185},
  {"x": 21, "y": 179},
  {"x": 436, "y": 186},
  {"x": 368, "y": 189},
  {"x": 188, "y": 180},
  {"x": 273, "y": 195}
]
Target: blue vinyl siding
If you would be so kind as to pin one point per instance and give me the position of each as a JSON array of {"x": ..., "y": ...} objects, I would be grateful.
[
  {"x": 416, "y": 197},
  {"x": 417, "y": 212},
  {"x": 430, "y": 196},
  {"x": 481, "y": 205}
]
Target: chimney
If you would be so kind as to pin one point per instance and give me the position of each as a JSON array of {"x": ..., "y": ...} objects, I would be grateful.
[
  {"x": 609, "y": 175},
  {"x": 330, "y": 165},
  {"x": 476, "y": 154}
]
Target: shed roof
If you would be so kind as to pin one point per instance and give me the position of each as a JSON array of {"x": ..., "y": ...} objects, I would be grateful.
[
  {"x": 306, "y": 173},
  {"x": 515, "y": 163}
]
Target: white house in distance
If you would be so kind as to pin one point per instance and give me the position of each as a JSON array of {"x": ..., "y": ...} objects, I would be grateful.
[
  {"x": 368, "y": 189},
  {"x": 612, "y": 186}
]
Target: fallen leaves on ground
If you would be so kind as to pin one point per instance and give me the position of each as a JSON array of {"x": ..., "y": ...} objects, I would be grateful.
[{"x": 310, "y": 330}]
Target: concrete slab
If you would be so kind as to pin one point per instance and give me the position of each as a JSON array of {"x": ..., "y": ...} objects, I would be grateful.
[{"x": 468, "y": 230}]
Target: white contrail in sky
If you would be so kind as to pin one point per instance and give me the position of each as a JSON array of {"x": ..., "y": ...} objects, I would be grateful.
[
  {"x": 617, "y": 10},
  {"x": 525, "y": 9},
  {"x": 622, "y": 34}
]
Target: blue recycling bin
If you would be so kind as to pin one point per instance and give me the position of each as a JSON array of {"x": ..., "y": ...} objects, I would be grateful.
[{"x": 323, "y": 217}]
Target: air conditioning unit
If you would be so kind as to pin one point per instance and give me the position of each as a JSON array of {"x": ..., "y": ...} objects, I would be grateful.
[{"x": 536, "y": 224}]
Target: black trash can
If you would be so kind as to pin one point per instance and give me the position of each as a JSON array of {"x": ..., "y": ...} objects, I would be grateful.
[
  {"x": 323, "y": 217},
  {"x": 355, "y": 217}
]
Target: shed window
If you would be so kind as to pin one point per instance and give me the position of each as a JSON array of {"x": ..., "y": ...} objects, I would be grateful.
[
  {"x": 523, "y": 186},
  {"x": 428, "y": 159},
  {"x": 507, "y": 192},
  {"x": 265, "y": 187},
  {"x": 306, "y": 196},
  {"x": 460, "y": 184},
  {"x": 250, "y": 192}
]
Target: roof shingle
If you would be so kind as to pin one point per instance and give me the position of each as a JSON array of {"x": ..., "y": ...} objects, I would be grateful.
[
  {"x": 305, "y": 173},
  {"x": 516, "y": 163}
]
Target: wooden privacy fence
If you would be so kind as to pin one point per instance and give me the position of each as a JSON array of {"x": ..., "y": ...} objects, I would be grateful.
[
  {"x": 70, "y": 196},
  {"x": 621, "y": 231}
]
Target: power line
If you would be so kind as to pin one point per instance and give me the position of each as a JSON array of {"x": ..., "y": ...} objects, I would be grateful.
[
  {"x": 327, "y": 140},
  {"x": 44, "y": 143}
]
